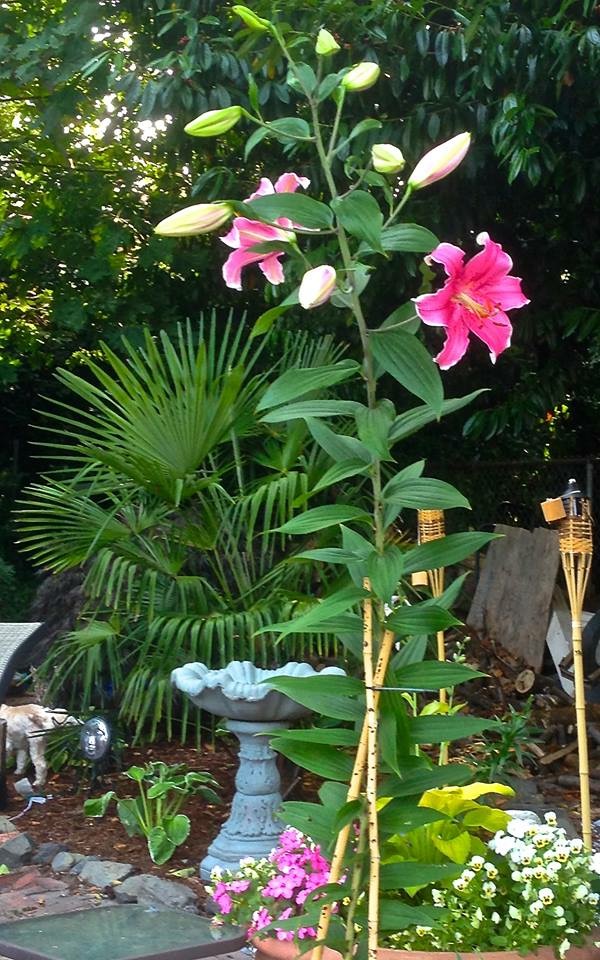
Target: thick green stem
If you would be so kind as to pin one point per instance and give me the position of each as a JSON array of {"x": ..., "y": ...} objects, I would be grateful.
[{"x": 356, "y": 307}]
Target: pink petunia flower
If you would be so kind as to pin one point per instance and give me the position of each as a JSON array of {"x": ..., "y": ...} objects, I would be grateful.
[
  {"x": 246, "y": 234},
  {"x": 474, "y": 299}
]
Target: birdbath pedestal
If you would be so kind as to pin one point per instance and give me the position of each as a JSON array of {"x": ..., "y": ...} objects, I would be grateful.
[{"x": 252, "y": 711}]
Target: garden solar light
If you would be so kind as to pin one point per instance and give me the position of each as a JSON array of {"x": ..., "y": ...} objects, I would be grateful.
[{"x": 572, "y": 516}]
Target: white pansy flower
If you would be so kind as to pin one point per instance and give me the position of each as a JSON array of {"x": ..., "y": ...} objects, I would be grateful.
[
  {"x": 595, "y": 863},
  {"x": 488, "y": 890},
  {"x": 536, "y": 907},
  {"x": 468, "y": 875},
  {"x": 546, "y": 895},
  {"x": 459, "y": 884},
  {"x": 550, "y": 818},
  {"x": 576, "y": 845},
  {"x": 517, "y": 828},
  {"x": 593, "y": 899},
  {"x": 501, "y": 844},
  {"x": 581, "y": 892},
  {"x": 517, "y": 876},
  {"x": 558, "y": 911},
  {"x": 476, "y": 863},
  {"x": 539, "y": 872},
  {"x": 561, "y": 852}
]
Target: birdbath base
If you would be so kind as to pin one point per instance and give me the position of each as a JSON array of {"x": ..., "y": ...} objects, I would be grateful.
[{"x": 251, "y": 829}]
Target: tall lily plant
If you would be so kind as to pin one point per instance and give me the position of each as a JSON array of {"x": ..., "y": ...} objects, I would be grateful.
[{"x": 333, "y": 243}]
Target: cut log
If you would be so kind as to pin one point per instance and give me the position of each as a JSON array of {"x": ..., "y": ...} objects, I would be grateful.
[{"x": 513, "y": 598}]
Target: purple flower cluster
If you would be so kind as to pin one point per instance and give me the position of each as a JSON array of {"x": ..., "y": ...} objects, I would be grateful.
[{"x": 263, "y": 892}]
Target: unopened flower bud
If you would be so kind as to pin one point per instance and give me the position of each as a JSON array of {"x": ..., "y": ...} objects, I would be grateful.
[
  {"x": 201, "y": 218},
  {"x": 326, "y": 44},
  {"x": 361, "y": 77},
  {"x": 387, "y": 158},
  {"x": 440, "y": 161},
  {"x": 214, "y": 122},
  {"x": 317, "y": 286},
  {"x": 251, "y": 19}
]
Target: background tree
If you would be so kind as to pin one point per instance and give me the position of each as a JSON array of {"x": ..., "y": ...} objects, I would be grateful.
[{"x": 93, "y": 100}]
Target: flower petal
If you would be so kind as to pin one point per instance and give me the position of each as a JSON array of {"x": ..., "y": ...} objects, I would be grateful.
[
  {"x": 506, "y": 293},
  {"x": 272, "y": 269},
  {"x": 435, "y": 309},
  {"x": 289, "y": 183},
  {"x": 496, "y": 332},
  {"x": 455, "y": 346},
  {"x": 251, "y": 232},
  {"x": 232, "y": 239},
  {"x": 488, "y": 266},
  {"x": 233, "y": 266},
  {"x": 451, "y": 257},
  {"x": 265, "y": 187}
]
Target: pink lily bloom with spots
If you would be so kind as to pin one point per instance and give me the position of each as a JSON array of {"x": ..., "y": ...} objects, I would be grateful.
[
  {"x": 246, "y": 233},
  {"x": 473, "y": 300}
]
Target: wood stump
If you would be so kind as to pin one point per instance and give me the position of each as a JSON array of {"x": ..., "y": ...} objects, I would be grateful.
[{"x": 513, "y": 599}]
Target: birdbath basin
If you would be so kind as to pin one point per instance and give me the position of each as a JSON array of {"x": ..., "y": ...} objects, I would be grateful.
[{"x": 252, "y": 711}]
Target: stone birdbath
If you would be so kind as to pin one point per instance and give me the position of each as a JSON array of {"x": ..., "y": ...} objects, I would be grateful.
[{"x": 250, "y": 708}]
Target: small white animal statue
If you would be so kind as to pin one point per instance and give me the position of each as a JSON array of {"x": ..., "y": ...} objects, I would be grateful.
[{"x": 23, "y": 735}]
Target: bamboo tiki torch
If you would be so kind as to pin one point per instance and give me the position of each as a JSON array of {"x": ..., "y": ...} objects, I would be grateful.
[{"x": 572, "y": 515}]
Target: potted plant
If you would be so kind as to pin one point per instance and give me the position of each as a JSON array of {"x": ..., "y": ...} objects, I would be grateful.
[{"x": 530, "y": 887}]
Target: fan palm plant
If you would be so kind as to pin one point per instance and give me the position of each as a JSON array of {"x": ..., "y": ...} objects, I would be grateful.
[{"x": 169, "y": 493}]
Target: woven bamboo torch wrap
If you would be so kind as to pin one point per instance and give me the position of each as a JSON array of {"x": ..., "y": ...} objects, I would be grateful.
[
  {"x": 432, "y": 525},
  {"x": 575, "y": 534}
]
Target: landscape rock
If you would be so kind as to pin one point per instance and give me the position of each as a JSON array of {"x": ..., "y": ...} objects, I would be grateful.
[
  {"x": 105, "y": 873},
  {"x": 81, "y": 861},
  {"x": 46, "y": 852},
  {"x": 64, "y": 861},
  {"x": 155, "y": 892},
  {"x": 6, "y": 825},
  {"x": 16, "y": 851}
]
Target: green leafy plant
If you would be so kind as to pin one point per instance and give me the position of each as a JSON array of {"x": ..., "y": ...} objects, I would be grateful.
[
  {"x": 456, "y": 835},
  {"x": 332, "y": 235},
  {"x": 173, "y": 496},
  {"x": 507, "y": 749},
  {"x": 155, "y": 812}
]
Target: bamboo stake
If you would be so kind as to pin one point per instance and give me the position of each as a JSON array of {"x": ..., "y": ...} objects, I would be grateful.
[
  {"x": 371, "y": 786},
  {"x": 354, "y": 788}
]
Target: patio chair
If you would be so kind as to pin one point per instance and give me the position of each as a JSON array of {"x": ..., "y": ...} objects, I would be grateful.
[{"x": 17, "y": 642}]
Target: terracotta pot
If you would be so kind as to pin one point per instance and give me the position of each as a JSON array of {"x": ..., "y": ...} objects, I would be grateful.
[
  {"x": 273, "y": 949},
  {"x": 287, "y": 950}
]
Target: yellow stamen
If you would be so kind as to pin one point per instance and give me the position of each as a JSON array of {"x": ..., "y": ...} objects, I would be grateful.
[{"x": 477, "y": 308}]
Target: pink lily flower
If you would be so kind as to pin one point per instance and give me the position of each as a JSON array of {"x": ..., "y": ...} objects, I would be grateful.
[
  {"x": 473, "y": 299},
  {"x": 246, "y": 233}
]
